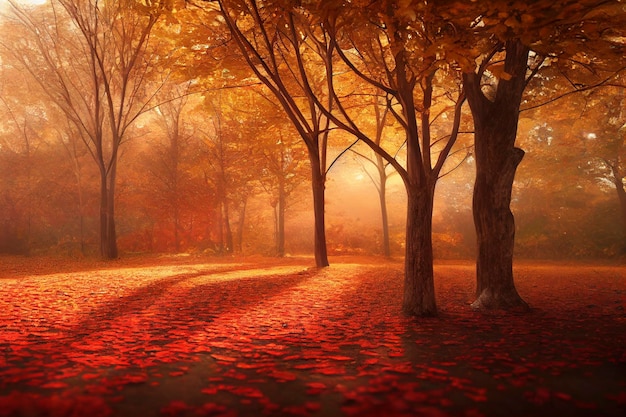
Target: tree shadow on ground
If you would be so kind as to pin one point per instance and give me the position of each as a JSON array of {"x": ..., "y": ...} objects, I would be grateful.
[{"x": 140, "y": 328}]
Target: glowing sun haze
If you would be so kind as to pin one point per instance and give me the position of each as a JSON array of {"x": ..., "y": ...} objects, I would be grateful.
[{"x": 24, "y": 2}]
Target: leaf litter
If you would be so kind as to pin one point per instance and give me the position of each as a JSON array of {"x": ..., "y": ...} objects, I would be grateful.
[{"x": 265, "y": 337}]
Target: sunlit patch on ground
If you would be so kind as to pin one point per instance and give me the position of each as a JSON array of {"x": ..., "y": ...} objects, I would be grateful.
[{"x": 193, "y": 338}]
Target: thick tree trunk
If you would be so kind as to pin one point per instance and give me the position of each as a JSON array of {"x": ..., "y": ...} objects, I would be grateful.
[
  {"x": 419, "y": 284},
  {"x": 318, "y": 186},
  {"x": 497, "y": 158},
  {"x": 495, "y": 231}
]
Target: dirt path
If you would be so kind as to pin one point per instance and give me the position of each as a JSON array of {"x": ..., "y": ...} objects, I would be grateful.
[{"x": 191, "y": 337}]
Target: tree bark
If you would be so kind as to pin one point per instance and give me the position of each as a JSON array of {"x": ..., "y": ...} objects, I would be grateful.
[
  {"x": 318, "y": 186},
  {"x": 419, "y": 284},
  {"x": 497, "y": 159},
  {"x": 108, "y": 236},
  {"x": 495, "y": 231},
  {"x": 112, "y": 252}
]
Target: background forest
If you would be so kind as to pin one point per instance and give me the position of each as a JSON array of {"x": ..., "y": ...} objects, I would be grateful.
[{"x": 202, "y": 159}]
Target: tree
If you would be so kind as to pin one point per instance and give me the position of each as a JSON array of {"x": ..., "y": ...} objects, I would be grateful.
[
  {"x": 564, "y": 206},
  {"x": 228, "y": 150},
  {"x": 20, "y": 144},
  {"x": 305, "y": 41},
  {"x": 172, "y": 154},
  {"x": 497, "y": 158},
  {"x": 283, "y": 161},
  {"x": 70, "y": 140},
  {"x": 605, "y": 141},
  {"x": 267, "y": 36},
  {"x": 401, "y": 62},
  {"x": 92, "y": 59},
  {"x": 381, "y": 166},
  {"x": 21, "y": 198},
  {"x": 502, "y": 37}
]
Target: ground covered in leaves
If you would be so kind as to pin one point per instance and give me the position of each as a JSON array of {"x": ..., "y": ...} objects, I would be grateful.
[{"x": 185, "y": 336}]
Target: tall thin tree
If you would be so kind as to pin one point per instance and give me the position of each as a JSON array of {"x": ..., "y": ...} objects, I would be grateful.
[{"x": 92, "y": 58}]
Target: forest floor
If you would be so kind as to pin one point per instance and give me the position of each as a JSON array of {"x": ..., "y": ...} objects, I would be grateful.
[{"x": 191, "y": 336}]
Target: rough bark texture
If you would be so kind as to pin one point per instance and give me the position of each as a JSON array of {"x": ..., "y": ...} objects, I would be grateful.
[
  {"x": 419, "y": 284},
  {"x": 497, "y": 159}
]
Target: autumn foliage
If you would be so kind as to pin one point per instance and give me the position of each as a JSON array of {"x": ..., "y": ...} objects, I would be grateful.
[{"x": 191, "y": 337}]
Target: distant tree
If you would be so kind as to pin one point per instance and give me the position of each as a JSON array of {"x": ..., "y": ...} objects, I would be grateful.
[
  {"x": 562, "y": 194},
  {"x": 226, "y": 138},
  {"x": 171, "y": 154},
  {"x": 92, "y": 59},
  {"x": 605, "y": 140},
  {"x": 76, "y": 153},
  {"x": 20, "y": 145},
  {"x": 381, "y": 168},
  {"x": 284, "y": 163},
  {"x": 48, "y": 184},
  {"x": 277, "y": 156}
]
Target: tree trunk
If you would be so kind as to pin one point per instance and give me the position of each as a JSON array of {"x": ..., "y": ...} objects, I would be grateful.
[
  {"x": 104, "y": 212},
  {"x": 623, "y": 207},
  {"x": 280, "y": 221},
  {"x": 241, "y": 224},
  {"x": 621, "y": 195},
  {"x": 419, "y": 284},
  {"x": 176, "y": 226},
  {"x": 497, "y": 159},
  {"x": 227, "y": 230},
  {"x": 318, "y": 186},
  {"x": 382, "y": 195},
  {"x": 221, "y": 228},
  {"x": 81, "y": 200},
  {"x": 112, "y": 252},
  {"x": 81, "y": 215},
  {"x": 108, "y": 238},
  {"x": 495, "y": 231}
]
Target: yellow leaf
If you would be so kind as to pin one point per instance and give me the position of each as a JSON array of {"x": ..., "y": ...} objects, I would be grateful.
[{"x": 498, "y": 72}]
